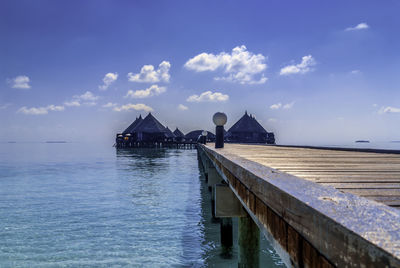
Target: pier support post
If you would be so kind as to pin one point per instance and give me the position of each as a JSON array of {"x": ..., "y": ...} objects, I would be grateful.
[
  {"x": 226, "y": 237},
  {"x": 249, "y": 243}
]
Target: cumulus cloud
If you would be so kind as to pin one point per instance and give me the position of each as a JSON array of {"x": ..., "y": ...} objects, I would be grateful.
[
  {"x": 208, "y": 96},
  {"x": 72, "y": 103},
  {"x": 277, "y": 106},
  {"x": 154, "y": 90},
  {"x": 87, "y": 96},
  {"x": 87, "y": 99},
  {"x": 40, "y": 110},
  {"x": 241, "y": 65},
  {"x": 360, "y": 26},
  {"x": 288, "y": 105},
  {"x": 130, "y": 106},
  {"x": 148, "y": 74},
  {"x": 21, "y": 81},
  {"x": 388, "y": 109},
  {"x": 182, "y": 107},
  {"x": 303, "y": 67},
  {"x": 108, "y": 79},
  {"x": 109, "y": 105}
]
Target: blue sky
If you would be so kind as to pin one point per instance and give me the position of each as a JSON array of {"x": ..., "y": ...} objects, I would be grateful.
[{"x": 311, "y": 71}]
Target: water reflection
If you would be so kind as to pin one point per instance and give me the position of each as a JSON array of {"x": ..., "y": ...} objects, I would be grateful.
[
  {"x": 147, "y": 160},
  {"x": 169, "y": 192}
]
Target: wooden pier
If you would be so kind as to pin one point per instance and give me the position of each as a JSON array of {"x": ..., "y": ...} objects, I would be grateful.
[{"x": 319, "y": 207}]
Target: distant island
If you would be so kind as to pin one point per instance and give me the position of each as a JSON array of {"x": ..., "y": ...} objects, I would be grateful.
[{"x": 362, "y": 141}]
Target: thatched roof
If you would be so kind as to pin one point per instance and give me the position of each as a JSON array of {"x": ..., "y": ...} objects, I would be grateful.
[
  {"x": 150, "y": 125},
  {"x": 247, "y": 124},
  {"x": 178, "y": 133},
  {"x": 193, "y": 135},
  {"x": 137, "y": 121},
  {"x": 169, "y": 133}
]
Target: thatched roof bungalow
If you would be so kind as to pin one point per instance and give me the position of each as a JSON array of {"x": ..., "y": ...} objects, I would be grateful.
[
  {"x": 248, "y": 130},
  {"x": 150, "y": 129},
  {"x": 169, "y": 134},
  {"x": 195, "y": 134},
  {"x": 132, "y": 126},
  {"x": 178, "y": 133},
  {"x": 179, "y": 136}
]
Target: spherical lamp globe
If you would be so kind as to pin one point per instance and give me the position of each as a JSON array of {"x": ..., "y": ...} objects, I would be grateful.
[
  {"x": 204, "y": 133},
  {"x": 219, "y": 119}
]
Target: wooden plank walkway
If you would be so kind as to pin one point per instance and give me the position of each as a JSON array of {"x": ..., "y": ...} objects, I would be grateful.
[{"x": 375, "y": 176}]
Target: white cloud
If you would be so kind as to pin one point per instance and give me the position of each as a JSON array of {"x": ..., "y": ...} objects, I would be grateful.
[
  {"x": 388, "y": 109},
  {"x": 87, "y": 98},
  {"x": 355, "y": 72},
  {"x": 208, "y": 96},
  {"x": 130, "y": 106},
  {"x": 108, "y": 79},
  {"x": 279, "y": 105},
  {"x": 288, "y": 106},
  {"x": 57, "y": 108},
  {"x": 40, "y": 110},
  {"x": 110, "y": 105},
  {"x": 72, "y": 103},
  {"x": 21, "y": 81},
  {"x": 148, "y": 74},
  {"x": 360, "y": 26},
  {"x": 303, "y": 67},
  {"x": 241, "y": 65},
  {"x": 275, "y": 106},
  {"x": 154, "y": 90},
  {"x": 182, "y": 107},
  {"x": 272, "y": 120}
]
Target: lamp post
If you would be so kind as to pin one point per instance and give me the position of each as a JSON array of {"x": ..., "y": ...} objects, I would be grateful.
[
  {"x": 219, "y": 120},
  {"x": 204, "y": 134}
]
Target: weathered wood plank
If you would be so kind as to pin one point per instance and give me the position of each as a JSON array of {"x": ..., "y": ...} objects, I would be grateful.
[
  {"x": 374, "y": 192},
  {"x": 357, "y": 185}
]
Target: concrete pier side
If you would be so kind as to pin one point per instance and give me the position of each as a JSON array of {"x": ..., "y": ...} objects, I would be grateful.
[{"x": 309, "y": 224}]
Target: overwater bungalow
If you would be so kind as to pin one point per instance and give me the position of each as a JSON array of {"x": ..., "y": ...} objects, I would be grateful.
[
  {"x": 195, "y": 134},
  {"x": 248, "y": 130},
  {"x": 148, "y": 132},
  {"x": 169, "y": 134},
  {"x": 179, "y": 136},
  {"x": 132, "y": 126}
]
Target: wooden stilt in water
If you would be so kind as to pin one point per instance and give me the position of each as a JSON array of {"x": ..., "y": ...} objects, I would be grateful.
[
  {"x": 226, "y": 230},
  {"x": 249, "y": 243}
]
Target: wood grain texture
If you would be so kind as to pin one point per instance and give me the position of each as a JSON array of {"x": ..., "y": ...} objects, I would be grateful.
[{"x": 372, "y": 175}]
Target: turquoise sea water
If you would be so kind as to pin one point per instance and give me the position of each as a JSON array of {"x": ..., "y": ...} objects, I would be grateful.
[{"x": 88, "y": 205}]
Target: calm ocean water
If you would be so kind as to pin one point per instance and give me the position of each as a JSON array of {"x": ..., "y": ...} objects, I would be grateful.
[{"x": 88, "y": 205}]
